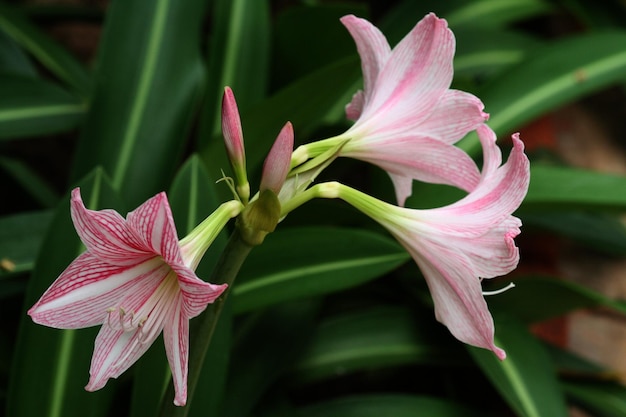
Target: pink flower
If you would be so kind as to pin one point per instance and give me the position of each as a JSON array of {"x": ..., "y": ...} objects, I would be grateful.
[
  {"x": 136, "y": 280},
  {"x": 407, "y": 117},
  {"x": 456, "y": 246}
]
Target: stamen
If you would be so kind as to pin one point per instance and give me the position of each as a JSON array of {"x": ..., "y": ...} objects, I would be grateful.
[
  {"x": 149, "y": 318},
  {"x": 500, "y": 291},
  {"x": 111, "y": 310}
]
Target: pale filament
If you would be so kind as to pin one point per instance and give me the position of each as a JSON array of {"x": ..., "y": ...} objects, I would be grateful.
[{"x": 500, "y": 291}]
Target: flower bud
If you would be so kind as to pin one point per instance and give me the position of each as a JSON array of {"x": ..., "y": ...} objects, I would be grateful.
[
  {"x": 233, "y": 139},
  {"x": 278, "y": 161}
]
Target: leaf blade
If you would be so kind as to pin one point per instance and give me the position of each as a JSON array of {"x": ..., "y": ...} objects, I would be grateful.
[
  {"x": 326, "y": 260},
  {"x": 526, "y": 378}
]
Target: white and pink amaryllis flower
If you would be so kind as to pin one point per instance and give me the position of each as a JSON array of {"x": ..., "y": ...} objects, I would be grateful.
[
  {"x": 135, "y": 279},
  {"x": 458, "y": 245},
  {"x": 407, "y": 118}
]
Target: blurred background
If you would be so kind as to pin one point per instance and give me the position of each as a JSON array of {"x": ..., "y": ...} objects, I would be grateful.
[{"x": 330, "y": 317}]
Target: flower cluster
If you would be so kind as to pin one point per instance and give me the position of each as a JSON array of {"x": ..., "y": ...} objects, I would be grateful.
[{"x": 137, "y": 279}]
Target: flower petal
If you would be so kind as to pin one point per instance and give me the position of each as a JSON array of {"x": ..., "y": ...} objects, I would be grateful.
[
  {"x": 493, "y": 253},
  {"x": 417, "y": 73},
  {"x": 457, "y": 294},
  {"x": 373, "y": 50},
  {"x": 81, "y": 295},
  {"x": 455, "y": 114},
  {"x": 106, "y": 234},
  {"x": 176, "y": 338},
  {"x": 153, "y": 224},
  {"x": 355, "y": 107},
  {"x": 501, "y": 189},
  {"x": 420, "y": 158},
  {"x": 114, "y": 352},
  {"x": 196, "y": 293}
]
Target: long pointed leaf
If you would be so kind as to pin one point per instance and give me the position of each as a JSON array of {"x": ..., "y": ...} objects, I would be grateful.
[
  {"x": 20, "y": 239},
  {"x": 264, "y": 351},
  {"x": 459, "y": 13},
  {"x": 552, "y": 297},
  {"x": 526, "y": 378},
  {"x": 145, "y": 94},
  {"x": 563, "y": 187},
  {"x": 239, "y": 58},
  {"x": 603, "y": 399},
  {"x": 31, "y": 107},
  {"x": 551, "y": 77},
  {"x": 304, "y": 262},
  {"x": 378, "y": 337},
  {"x": 13, "y": 59},
  {"x": 56, "y": 59}
]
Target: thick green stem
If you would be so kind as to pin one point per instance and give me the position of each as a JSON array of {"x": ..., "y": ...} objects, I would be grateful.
[
  {"x": 203, "y": 326},
  {"x": 313, "y": 149}
]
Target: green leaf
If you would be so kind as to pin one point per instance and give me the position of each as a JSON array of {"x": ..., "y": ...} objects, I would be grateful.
[
  {"x": 493, "y": 13},
  {"x": 484, "y": 52},
  {"x": 50, "y": 54},
  {"x": 148, "y": 80},
  {"x": 378, "y": 405},
  {"x": 211, "y": 388},
  {"x": 238, "y": 57},
  {"x": 192, "y": 198},
  {"x": 552, "y": 297},
  {"x": 374, "y": 338},
  {"x": 20, "y": 239},
  {"x": 569, "y": 364},
  {"x": 589, "y": 15},
  {"x": 483, "y": 14},
  {"x": 550, "y": 77},
  {"x": 13, "y": 60},
  {"x": 36, "y": 186},
  {"x": 309, "y": 261},
  {"x": 562, "y": 187},
  {"x": 55, "y": 363},
  {"x": 266, "y": 347},
  {"x": 30, "y": 107},
  {"x": 316, "y": 29},
  {"x": 526, "y": 379},
  {"x": 603, "y": 399},
  {"x": 597, "y": 231}
]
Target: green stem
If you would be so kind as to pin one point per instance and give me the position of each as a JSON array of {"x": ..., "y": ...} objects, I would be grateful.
[
  {"x": 322, "y": 190},
  {"x": 203, "y": 326},
  {"x": 313, "y": 149}
]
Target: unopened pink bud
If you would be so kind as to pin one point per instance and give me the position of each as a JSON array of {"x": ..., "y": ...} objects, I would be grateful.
[
  {"x": 278, "y": 161},
  {"x": 231, "y": 128},
  {"x": 233, "y": 139}
]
